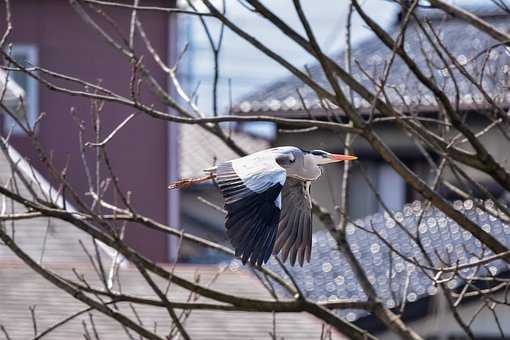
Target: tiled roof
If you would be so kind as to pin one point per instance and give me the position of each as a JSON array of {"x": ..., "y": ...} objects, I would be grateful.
[
  {"x": 463, "y": 40},
  {"x": 200, "y": 149},
  {"x": 329, "y": 277},
  {"x": 20, "y": 288}
]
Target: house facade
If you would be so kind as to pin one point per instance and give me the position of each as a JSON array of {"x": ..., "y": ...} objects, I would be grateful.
[{"x": 52, "y": 35}]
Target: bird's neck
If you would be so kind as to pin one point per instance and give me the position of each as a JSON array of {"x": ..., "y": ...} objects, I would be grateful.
[{"x": 310, "y": 171}]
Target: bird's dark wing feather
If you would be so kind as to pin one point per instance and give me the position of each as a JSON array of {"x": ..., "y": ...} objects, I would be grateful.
[
  {"x": 251, "y": 188},
  {"x": 294, "y": 239}
]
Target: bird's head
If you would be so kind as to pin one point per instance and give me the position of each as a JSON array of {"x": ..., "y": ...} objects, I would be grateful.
[{"x": 320, "y": 157}]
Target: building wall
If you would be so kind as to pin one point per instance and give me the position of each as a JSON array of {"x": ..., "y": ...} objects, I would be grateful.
[
  {"x": 138, "y": 153},
  {"x": 362, "y": 202},
  {"x": 386, "y": 181}
]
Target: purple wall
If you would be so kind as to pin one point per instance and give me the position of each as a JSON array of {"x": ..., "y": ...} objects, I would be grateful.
[{"x": 139, "y": 152}]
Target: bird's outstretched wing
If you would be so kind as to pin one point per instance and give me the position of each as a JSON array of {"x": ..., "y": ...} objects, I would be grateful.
[
  {"x": 294, "y": 239},
  {"x": 251, "y": 187}
]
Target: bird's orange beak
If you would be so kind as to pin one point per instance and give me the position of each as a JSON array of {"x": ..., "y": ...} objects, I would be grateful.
[{"x": 338, "y": 158}]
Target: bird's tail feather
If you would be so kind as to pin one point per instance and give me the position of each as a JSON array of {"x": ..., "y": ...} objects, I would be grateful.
[{"x": 187, "y": 182}]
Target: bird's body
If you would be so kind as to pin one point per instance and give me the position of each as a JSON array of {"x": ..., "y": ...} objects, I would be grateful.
[{"x": 268, "y": 204}]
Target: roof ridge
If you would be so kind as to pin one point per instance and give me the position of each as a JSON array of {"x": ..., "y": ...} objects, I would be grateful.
[
  {"x": 483, "y": 11},
  {"x": 279, "y": 97}
]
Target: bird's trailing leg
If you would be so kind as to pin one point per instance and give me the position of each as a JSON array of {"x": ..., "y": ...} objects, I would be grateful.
[{"x": 187, "y": 182}]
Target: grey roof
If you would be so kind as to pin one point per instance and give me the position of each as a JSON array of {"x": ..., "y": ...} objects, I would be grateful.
[
  {"x": 21, "y": 288},
  {"x": 46, "y": 239},
  {"x": 13, "y": 92},
  {"x": 403, "y": 88},
  {"x": 329, "y": 277},
  {"x": 200, "y": 149}
]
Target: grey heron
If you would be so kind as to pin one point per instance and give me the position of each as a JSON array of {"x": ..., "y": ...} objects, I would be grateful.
[{"x": 268, "y": 203}]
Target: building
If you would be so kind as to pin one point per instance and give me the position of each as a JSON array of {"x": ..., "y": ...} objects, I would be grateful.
[{"x": 140, "y": 152}]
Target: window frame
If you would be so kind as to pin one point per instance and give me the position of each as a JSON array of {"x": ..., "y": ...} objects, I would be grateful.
[{"x": 31, "y": 99}]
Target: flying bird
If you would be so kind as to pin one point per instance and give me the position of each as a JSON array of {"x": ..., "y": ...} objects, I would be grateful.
[{"x": 268, "y": 203}]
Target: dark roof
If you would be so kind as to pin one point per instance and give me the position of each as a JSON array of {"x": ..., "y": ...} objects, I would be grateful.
[
  {"x": 328, "y": 277},
  {"x": 463, "y": 40}
]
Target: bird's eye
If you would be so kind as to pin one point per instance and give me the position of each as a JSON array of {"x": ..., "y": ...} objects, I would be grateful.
[{"x": 317, "y": 153}]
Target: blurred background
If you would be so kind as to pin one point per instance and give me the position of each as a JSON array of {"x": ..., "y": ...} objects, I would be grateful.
[
  {"x": 223, "y": 75},
  {"x": 236, "y": 79}
]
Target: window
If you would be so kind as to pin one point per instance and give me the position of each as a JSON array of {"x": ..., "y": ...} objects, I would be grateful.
[
  {"x": 390, "y": 186},
  {"x": 22, "y": 91}
]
